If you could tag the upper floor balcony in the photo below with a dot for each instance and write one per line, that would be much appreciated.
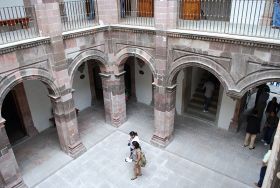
(136, 12)
(254, 18)
(78, 14)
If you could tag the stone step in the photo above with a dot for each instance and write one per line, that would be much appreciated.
(199, 107)
(202, 115)
(201, 93)
(200, 100)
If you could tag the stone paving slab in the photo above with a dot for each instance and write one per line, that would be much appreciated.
(103, 166)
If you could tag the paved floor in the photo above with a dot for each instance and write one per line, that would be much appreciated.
(199, 156)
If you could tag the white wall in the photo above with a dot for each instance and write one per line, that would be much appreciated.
(226, 111)
(82, 94)
(247, 11)
(179, 92)
(9, 3)
(143, 84)
(39, 103)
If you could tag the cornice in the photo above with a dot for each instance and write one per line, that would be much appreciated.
(133, 29)
(250, 43)
(85, 32)
(23, 45)
(29, 43)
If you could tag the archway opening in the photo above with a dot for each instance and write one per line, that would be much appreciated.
(12, 113)
(89, 102)
(31, 131)
(138, 83)
(199, 94)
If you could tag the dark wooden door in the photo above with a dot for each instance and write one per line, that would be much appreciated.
(145, 8)
(191, 9)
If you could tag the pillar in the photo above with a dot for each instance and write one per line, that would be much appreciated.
(114, 98)
(270, 180)
(9, 170)
(67, 126)
(234, 124)
(21, 100)
(164, 110)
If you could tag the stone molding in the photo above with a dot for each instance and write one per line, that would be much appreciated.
(81, 33)
(255, 44)
(120, 74)
(103, 75)
(67, 35)
(23, 45)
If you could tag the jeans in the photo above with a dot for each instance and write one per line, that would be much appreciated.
(206, 103)
(268, 132)
(262, 174)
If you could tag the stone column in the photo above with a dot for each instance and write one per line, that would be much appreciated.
(164, 109)
(234, 124)
(67, 126)
(23, 106)
(9, 170)
(274, 160)
(114, 98)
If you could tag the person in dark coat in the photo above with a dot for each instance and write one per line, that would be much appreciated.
(272, 106)
(253, 128)
(270, 127)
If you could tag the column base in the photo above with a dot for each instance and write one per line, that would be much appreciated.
(77, 150)
(19, 183)
(115, 121)
(32, 131)
(161, 142)
(233, 127)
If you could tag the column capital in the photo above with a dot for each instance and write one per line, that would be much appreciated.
(104, 75)
(120, 74)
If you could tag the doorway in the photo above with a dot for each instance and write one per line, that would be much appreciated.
(14, 124)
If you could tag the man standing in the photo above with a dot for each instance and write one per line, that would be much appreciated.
(208, 87)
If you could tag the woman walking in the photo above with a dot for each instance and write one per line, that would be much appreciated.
(136, 157)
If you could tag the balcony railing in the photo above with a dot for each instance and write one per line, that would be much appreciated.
(136, 12)
(255, 18)
(78, 14)
(17, 23)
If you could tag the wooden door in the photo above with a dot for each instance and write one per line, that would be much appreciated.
(191, 9)
(145, 8)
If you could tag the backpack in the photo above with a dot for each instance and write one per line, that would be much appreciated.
(143, 160)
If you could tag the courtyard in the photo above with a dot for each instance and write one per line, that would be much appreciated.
(199, 155)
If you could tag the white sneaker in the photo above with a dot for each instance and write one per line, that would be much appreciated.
(265, 144)
(262, 140)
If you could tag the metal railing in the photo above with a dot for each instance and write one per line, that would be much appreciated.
(17, 23)
(78, 14)
(136, 12)
(254, 18)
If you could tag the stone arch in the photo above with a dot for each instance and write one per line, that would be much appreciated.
(205, 63)
(122, 55)
(256, 79)
(83, 57)
(12, 79)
